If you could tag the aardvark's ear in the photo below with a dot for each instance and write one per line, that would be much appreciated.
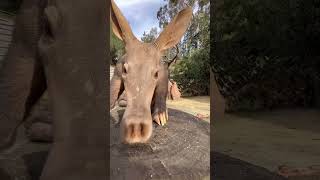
(175, 30)
(120, 25)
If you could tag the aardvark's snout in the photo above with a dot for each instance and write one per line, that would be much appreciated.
(135, 129)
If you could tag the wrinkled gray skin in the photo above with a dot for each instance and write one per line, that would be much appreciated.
(143, 76)
(58, 47)
(21, 76)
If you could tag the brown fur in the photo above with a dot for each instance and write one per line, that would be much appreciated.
(143, 76)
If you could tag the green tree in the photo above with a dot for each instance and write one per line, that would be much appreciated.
(150, 36)
(265, 52)
(197, 35)
(192, 72)
(116, 48)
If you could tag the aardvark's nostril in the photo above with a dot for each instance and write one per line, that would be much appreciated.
(131, 130)
(137, 132)
(142, 129)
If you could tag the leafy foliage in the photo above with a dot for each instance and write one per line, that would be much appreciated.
(117, 48)
(192, 72)
(150, 36)
(266, 53)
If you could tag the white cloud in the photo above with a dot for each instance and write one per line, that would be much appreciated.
(141, 14)
(123, 3)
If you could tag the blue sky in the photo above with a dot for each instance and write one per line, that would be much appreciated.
(141, 14)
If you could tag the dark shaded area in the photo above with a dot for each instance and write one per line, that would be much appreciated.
(35, 163)
(224, 167)
(4, 175)
(10, 5)
(266, 53)
(298, 119)
(61, 25)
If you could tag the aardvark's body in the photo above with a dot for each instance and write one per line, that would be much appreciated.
(144, 77)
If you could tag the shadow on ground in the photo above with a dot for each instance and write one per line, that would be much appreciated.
(4, 175)
(271, 139)
(27, 159)
(298, 119)
(224, 167)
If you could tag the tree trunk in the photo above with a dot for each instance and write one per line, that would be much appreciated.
(217, 102)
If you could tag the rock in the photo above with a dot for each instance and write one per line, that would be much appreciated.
(173, 90)
(179, 150)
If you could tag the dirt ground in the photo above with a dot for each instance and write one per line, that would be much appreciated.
(247, 146)
(270, 139)
(197, 106)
